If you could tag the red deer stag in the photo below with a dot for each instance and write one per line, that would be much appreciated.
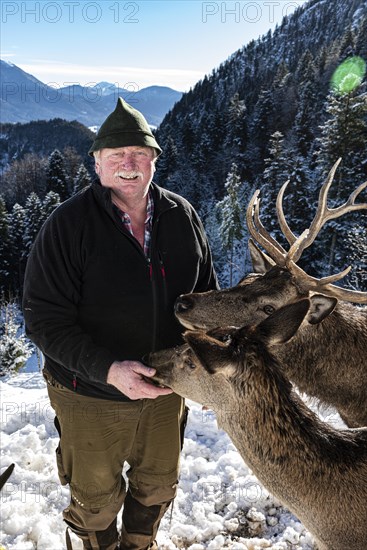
(327, 359)
(318, 472)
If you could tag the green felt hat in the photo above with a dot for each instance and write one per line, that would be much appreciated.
(123, 127)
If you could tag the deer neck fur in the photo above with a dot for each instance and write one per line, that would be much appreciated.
(318, 361)
(292, 452)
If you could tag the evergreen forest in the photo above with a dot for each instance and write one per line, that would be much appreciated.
(271, 113)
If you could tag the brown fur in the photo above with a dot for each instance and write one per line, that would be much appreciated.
(318, 472)
(327, 357)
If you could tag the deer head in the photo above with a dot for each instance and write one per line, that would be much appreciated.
(201, 369)
(278, 279)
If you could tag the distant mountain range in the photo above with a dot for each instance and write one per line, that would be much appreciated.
(24, 98)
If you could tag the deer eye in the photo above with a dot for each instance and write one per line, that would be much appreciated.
(269, 309)
(191, 365)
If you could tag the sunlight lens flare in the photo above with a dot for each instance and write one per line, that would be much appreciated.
(349, 75)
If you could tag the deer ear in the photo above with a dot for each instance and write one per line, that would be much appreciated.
(261, 263)
(321, 307)
(283, 324)
(214, 355)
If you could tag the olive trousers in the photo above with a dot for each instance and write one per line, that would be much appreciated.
(97, 438)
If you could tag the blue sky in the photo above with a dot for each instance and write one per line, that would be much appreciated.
(132, 43)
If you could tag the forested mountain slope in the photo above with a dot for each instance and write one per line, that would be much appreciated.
(270, 113)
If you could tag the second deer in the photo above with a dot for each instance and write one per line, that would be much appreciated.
(318, 472)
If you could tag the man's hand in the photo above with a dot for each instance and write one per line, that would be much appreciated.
(127, 376)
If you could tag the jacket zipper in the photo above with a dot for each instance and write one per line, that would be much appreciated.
(163, 273)
(151, 277)
(154, 289)
(154, 285)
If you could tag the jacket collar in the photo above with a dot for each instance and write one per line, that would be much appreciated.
(162, 200)
(161, 197)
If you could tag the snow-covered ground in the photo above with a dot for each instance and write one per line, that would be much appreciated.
(220, 504)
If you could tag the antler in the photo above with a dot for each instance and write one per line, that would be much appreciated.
(298, 244)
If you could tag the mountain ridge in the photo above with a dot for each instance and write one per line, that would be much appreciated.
(24, 98)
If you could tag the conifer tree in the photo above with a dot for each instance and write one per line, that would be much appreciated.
(56, 176)
(236, 129)
(276, 173)
(356, 257)
(14, 347)
(304, 127)
(343, 136)
(167, 163)
(261, 128)
(4, 246)
(71, 161)
(299, 189)
(211, 216)
(231, 228)
(347, 44)
(50, 202)
(82, 179)
(284, 99)
(361, 39)
(16, 232)
(33, 220)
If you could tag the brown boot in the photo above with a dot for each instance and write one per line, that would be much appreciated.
(136, 541)
(152, 546)
(96, 540)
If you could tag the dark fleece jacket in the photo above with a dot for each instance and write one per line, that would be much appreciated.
(92, 297)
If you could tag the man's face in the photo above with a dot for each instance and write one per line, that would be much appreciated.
(127, 171)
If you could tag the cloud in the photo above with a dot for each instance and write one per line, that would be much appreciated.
(6, 55)
(62, 74)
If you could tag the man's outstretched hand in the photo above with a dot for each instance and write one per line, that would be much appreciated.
(127, 377)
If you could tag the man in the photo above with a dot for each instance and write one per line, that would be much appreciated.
(100, 286)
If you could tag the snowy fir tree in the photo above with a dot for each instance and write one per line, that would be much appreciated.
(261, 128)
(49, 203)
(71, 164)
(82, 179)
(168, 161)
(284, 99)
(297, 195)
(33, 220)
(211, 216)
(231, 228)
(5, 250)
(276, 173)
(57, 180)
(16, 232)
(14, 347)
(361, 39)
(357, 257)
(304, 127)
(343, 135)
(236, 129)
(35, 214)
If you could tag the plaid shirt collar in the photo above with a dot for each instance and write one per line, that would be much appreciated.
(148, 224)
